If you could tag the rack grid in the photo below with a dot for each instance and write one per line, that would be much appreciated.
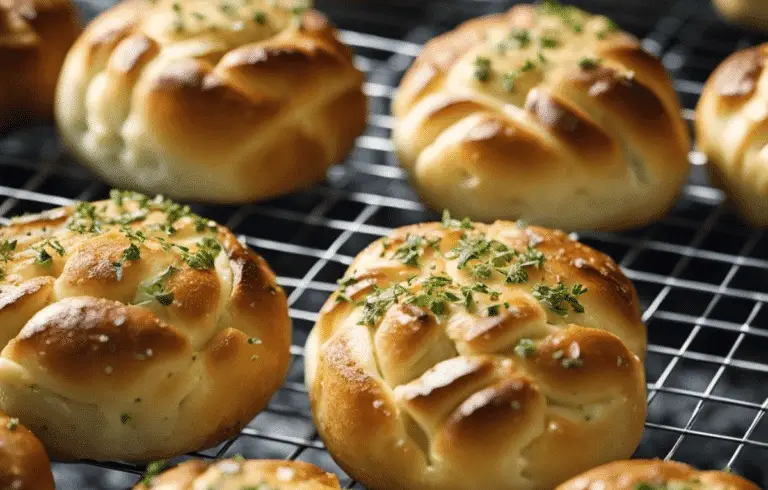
(702, 275)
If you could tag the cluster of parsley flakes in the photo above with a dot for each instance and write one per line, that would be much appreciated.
(519, 38)
(87, 218)
(230, 9)
(481, 258)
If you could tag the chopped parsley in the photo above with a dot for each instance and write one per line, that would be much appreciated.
(205, 255)
(125, 418)
(448, 222)
(260, 17)
(157, 290)
(84, 219)
(494, 310)
(378, 302)
(13, 424)
(588, 63)
(413, 248)
(570, 363)
(482, 68)
(525, 348)
(6, 250)
(610, 26)
(434, 295)
(560, 297)
(509, 81)
(490, 254)
(548, 42)
(343, 285)
(522, 36)
(153, 469)
(43, 258)
(528, 65)
(516, 273)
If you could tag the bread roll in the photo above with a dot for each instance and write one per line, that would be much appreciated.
(34, 38)
(732, 130)
(24, 465)
(135, 330)
(752, 13)
(493, 357)
(543, 113)
(655, 474)
(239, 474)
(225, 101)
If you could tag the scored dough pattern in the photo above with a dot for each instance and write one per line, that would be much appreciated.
(477, 399)
(508, 107)
(199, 99)
(141, 319)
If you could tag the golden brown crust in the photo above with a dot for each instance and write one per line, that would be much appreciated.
(24, 465)
(237, 474)
(626, 475)
(751, 13)
(732, 131)
(210, 101)
(34, 38)
(141, 317)
(411, 394)
(507, 105)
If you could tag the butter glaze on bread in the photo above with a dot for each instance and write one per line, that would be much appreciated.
(518, 115)
(24, 465)
(239, 474)
(34, 38)
(197, 101)
(119, 344)
(655, 474)
(731, 130)
(437, 392)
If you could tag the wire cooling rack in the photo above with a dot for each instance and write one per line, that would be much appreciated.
(702, 274)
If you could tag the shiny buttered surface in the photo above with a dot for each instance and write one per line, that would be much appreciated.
(34, 38)
(134, 329)
(459, 356)
(752, 13)
(24, 465)
(208, 100)
(731, 130)
(241, 474)
(544, 113)
(655, 475)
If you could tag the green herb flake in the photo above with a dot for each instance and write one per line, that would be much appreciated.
(376, 304)
(522, 36)
(482, 68)
(525, 348)
(560, 297)
(153, 469)
(157, 291)
(548, 42)
(13, 424)
(448, 222)
(570, 363)
(205, 255)
(494, 310)
(413, 248)
(508, 80)
(588, 63)
(528, 65)
(6, 251)
(125, 418)
(260, 17)
(254, 340)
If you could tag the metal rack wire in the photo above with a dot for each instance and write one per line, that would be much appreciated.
(702, 275)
